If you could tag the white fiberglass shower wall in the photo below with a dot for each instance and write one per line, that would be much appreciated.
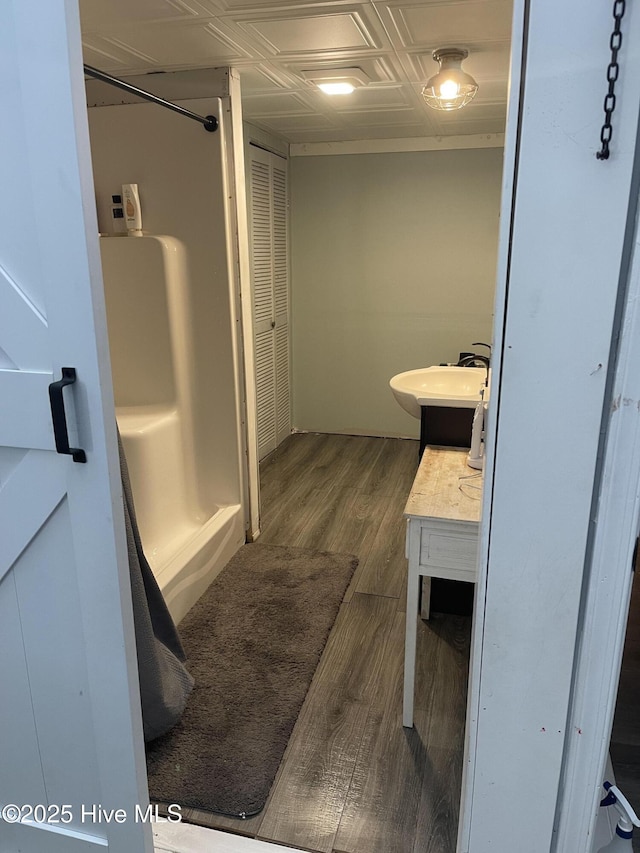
(173, 339)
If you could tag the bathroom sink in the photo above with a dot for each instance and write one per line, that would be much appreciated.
(454, 387)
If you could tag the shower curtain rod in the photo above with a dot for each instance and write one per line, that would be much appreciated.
(210, 122)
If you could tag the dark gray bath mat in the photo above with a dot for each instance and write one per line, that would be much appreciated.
(253, 643)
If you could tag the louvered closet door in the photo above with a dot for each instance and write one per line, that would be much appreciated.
(269, 254)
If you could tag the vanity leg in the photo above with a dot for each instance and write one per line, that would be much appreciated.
(425, 597)
(411, 633)
(411, 636)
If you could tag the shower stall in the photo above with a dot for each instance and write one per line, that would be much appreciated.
(174, 337)
(188, 532)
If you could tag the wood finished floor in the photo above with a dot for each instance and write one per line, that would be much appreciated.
(353, 780)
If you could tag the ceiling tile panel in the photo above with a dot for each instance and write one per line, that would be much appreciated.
(275, 6)
(281, 104)
(377, 68)
(172, 47)
(368, 98)
(95, 15)
(132, 57)
(272, 42)
(101, 55)
(440, 24)
(312, 33)
(385, 118)
(492, 92)
(260, 78)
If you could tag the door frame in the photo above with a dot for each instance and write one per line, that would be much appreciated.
(609, 569)
(563, 268)
(246, 347)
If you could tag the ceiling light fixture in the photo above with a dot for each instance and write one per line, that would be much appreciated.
(336, 81)
(336, 88)
(451, 88)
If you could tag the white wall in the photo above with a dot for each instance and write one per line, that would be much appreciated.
(393, 268)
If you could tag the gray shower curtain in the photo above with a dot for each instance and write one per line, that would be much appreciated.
(165, 684)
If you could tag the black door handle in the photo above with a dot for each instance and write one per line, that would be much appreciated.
(59, 417)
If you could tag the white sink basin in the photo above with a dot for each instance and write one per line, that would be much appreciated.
(454, 387)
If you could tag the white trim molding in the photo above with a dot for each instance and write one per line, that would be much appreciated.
(390, 146)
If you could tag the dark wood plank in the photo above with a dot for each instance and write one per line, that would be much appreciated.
(441, 676)
(356, 529)
(355, 652)
(284, 522)
(437, 824)
(405, 790)
(356, 524)
(352, 778)
(357, 455)
(380, 813)
(384, 569)
(308, 795)
(280, 471)
(316, 772)
(394, 469)
(441, 699)
(342, 460)
(316, 517)
(337, 519)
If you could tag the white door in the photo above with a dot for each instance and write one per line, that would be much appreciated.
(270, 277)
(71, 749)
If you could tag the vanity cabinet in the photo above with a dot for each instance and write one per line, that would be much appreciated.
(445, 426)
(443, 518)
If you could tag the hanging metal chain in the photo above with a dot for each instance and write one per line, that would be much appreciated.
(613, 70)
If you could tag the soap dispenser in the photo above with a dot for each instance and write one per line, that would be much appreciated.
(622, 840)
